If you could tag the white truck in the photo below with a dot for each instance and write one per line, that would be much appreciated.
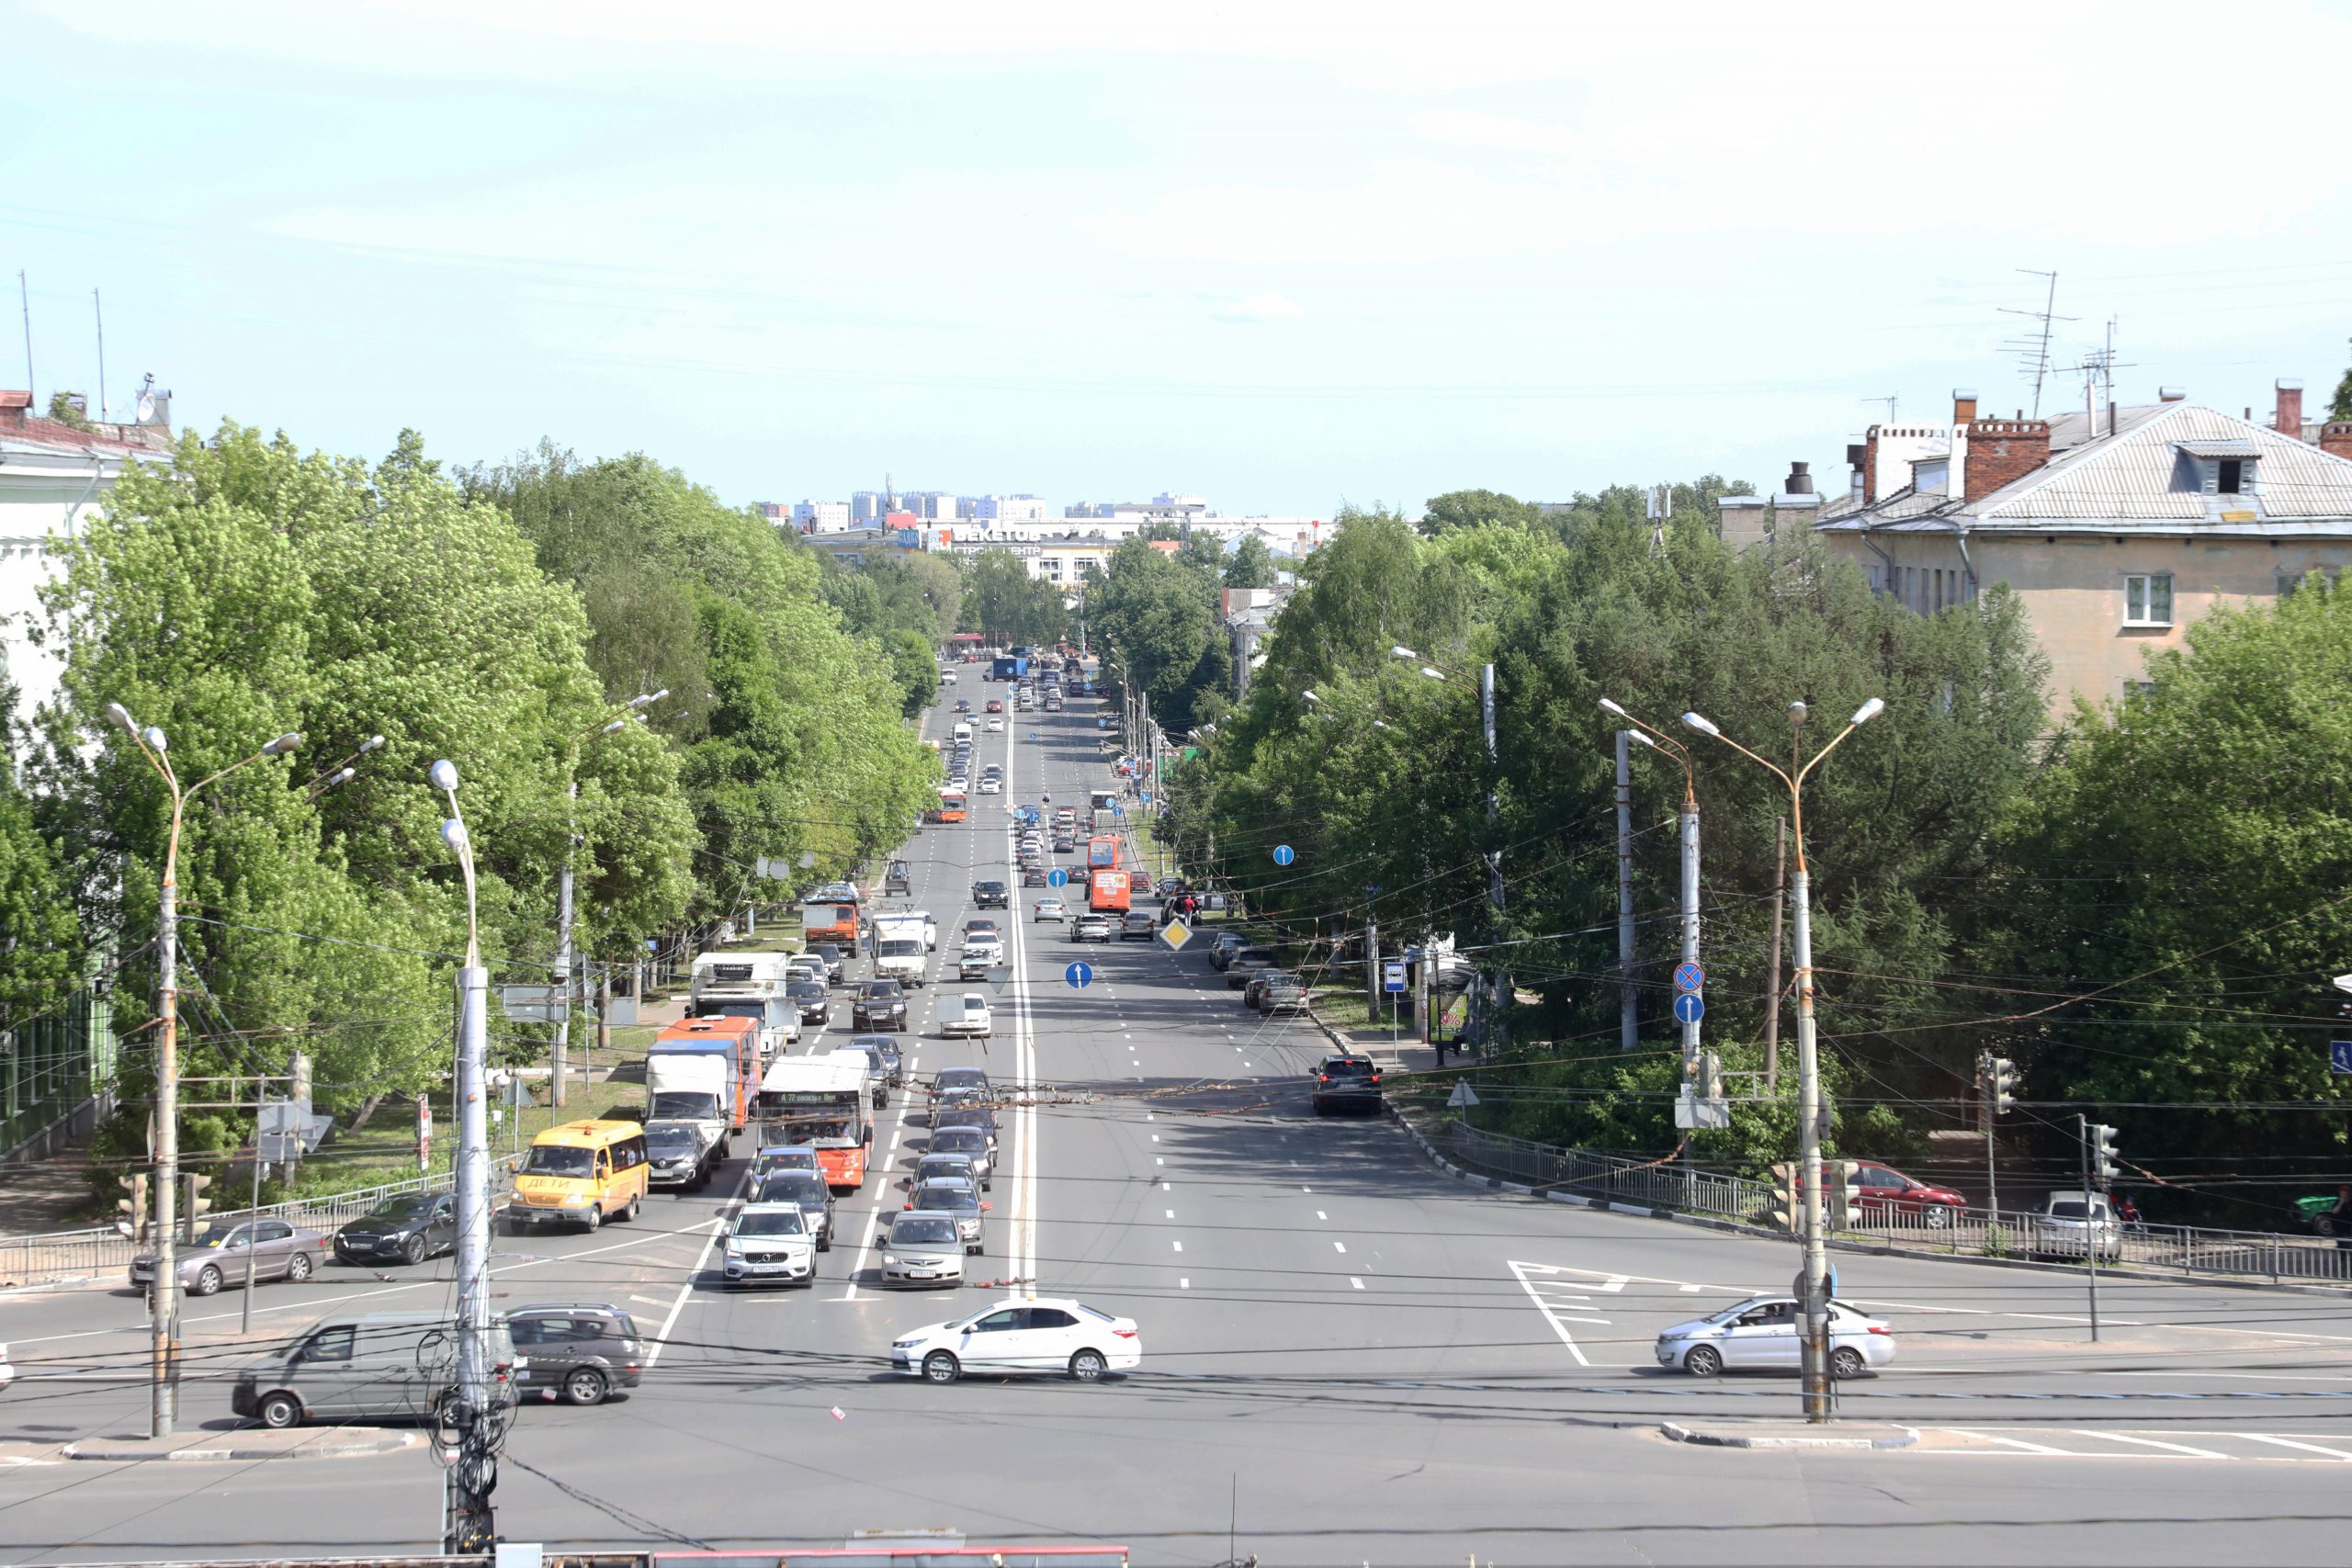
(682, 1086)
(747, 985)
(900, 949)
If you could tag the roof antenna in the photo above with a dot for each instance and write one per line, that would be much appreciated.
(24, 298)
(1889, 401)
(2033, 349)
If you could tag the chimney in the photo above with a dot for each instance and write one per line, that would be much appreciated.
(1870, 465)
(2170, 394)
(2335, 437)
(1800, 480)
(1963, 405)
(1857, 454)
(2003, 451)
(14, 408)
(2288, 420)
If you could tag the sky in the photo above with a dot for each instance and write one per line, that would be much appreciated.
(1287, 257)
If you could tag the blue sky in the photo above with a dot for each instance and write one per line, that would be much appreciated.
(1283, 255)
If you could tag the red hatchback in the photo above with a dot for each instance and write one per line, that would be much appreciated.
(996, 705)
(1886, 1190)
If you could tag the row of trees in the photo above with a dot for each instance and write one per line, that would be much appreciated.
(499, 618)
(2180, 869)
(1156, 611)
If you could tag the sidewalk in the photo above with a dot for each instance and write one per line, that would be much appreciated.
(1734, 1434)
(1403, 1053)
(244, 1444)
(44, 1195)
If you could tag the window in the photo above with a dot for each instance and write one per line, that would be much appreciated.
(329, 1345)
(2230, 472)
(2147, 599)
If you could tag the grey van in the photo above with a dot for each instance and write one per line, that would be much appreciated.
(366, 1367)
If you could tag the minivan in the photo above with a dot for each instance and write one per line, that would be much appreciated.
(581, 1173)
(362, 1367)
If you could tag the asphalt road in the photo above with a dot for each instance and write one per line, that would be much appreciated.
(1349, 1356)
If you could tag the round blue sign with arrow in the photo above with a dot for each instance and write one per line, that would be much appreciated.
(1688, 976)
(1688, 1008)
(1080, 974)
(1057, 877)
(1033, 735)
(1284, 854)
(1143, 796)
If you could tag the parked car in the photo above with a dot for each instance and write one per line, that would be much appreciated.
(1761, 1334)
(879, 1004)
(221, 1252)
(1136, 924)
(1889, 1191)
(1245, 964)
(578, 1352)
(2070, 1223)
(959, 1201)
(1052, 910)
(1254, 990)
(406, 1229)
(923, 1248)
(1347, 1082)
(1037, 1335)
(1091, 928)
(769, 1244)
(1225, 945)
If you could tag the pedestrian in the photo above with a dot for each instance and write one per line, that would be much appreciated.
(2127, 1211)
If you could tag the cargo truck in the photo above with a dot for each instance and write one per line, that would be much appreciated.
(900, 947)
(722, 1093)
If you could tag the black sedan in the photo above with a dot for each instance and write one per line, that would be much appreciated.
(812, 999)
(407, 1229)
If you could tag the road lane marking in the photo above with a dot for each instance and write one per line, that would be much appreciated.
(1356, 1282)
(2149, 1442)
(1523, 1272)
(2017, 1443)
(1321, 1216)
(2294, 1443)
(1340, 1245)
(1179, 1246)
(686, 1286)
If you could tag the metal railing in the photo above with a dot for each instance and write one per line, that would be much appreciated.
(53, 1257)
(2188, 1251)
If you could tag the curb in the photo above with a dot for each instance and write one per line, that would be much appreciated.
(1680, 1434)
(350, 1446)
(1733, 1228)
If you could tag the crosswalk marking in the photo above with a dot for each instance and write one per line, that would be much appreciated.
(2153, 1443)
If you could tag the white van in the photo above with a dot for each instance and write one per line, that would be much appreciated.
(963, 734)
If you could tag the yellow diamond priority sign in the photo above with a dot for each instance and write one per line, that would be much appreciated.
(1174, 935)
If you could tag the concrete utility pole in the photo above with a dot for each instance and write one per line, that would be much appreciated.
(1772, 994)
(473, 1474)
(1814, 1344)
(162, 1295)
(1656, 739)
(560, 1055)
(1628, 1016)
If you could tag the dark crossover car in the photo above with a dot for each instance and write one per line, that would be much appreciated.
(1347, 1083)
(992, 895)
(406, 1229)
(881, 1004)
(578, 1352)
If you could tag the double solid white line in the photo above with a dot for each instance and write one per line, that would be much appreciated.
(1023, 1245)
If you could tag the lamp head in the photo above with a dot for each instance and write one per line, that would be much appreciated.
(1869, 711)
(373, 743)
(154, 739)
(120, 717)
(1399, 651)
(453, 834)
(284, 745)
(1700, 723)
(1609, 707)
(1432, 673)
(617, 723)
(1797, 711)
(1638, 738)
(444, 774)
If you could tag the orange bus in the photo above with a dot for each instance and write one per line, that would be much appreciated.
(951, 806)
(1106, 892)
(1101, 853)
(820, 1100)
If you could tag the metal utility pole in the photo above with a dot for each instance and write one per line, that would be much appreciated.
(1689, 928)
(1814, 1343)
(559, 1058)
(163, 1296)
(1772, 997)
(2090, 1220)
(473, 1475)
(1628, 1023)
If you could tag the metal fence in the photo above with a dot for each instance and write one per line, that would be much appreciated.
(2184, 1250)
(63, 1256)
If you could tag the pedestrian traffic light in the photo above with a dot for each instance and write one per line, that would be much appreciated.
(194, 1204)
(2001, 1078)
(1843, 1178)
(1784, 1197)
(133, 1209)
(2103, 1159)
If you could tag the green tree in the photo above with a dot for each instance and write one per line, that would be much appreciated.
(1460, 509)
(2340, 405)
(1252, 566)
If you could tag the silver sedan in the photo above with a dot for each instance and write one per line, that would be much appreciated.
(1761, 1334)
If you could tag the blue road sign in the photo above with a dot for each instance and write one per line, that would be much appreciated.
(1033, 735)
(1143, 796)
(1080, 974)
(1057, 877)
(1688, 1008)
(1284, 854)
(2339, 1055)
(1688, 976)
(1391, 975)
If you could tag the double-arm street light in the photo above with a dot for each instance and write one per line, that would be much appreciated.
(1816, 1304)
(162, 1294)
(1493, 854)
(559, 1057)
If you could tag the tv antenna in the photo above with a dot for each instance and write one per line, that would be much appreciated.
(1890, 401)
(2032, 349)
(2098, 368)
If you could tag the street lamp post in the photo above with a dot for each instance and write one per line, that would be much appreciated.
(1815, 1305)
(1493, 854)
(164, 1293)
(469, 1524)
(559, 1057)
(1656, 740)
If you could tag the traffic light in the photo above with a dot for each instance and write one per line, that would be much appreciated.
(194, 1204)
(2103, 1158)
(2001, 1078)
(1843, 1179)
(1784, 1197)
(1711, 1075)
(133, 1209)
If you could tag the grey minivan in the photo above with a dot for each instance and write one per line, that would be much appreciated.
(365, 1367)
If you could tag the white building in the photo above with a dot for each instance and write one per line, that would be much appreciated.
(52, 476)
(821, 516)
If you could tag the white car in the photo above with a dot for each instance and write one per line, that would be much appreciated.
(967, 1014)
(1043, 1335)
(990, 786)
(922, 1250)
(1052, 910)
(1761, 1334)
(770, 1244)
(948, 679)
(996, 726)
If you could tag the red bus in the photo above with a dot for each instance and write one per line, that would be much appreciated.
(951, 806)
(1106, 892)
(1102, 853)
